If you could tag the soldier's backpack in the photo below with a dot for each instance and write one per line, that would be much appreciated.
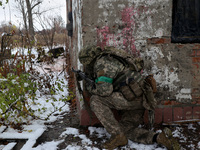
(136, 64)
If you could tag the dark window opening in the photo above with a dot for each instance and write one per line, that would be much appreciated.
(70, 24)
(186, 21)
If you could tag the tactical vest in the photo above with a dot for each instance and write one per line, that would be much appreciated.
(130, 82)
(132, 85)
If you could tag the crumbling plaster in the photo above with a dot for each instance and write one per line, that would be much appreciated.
(148, 18)
(128, 24)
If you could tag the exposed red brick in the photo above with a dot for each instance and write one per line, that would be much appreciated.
(196, 96)
(195, 66)
(193, 102)
(197, 53)
(170, 102)
(196, 112)
(196, 47)
(159, 40)
(196, 81)
(167, 114)
(178, 113)
(162, 41)
(195, 72)
(167, 102)
(176, 103)
(195, 90)
(187, 113)
(180, 46)
(86, 119)
(196, 59)
(158, 115)
(193, 53)
(86, 95)
(149, 41)
(198, 102)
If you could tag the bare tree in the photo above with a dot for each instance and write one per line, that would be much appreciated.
(30, 6)
(21, 6)
(50, 25)
(27, 10)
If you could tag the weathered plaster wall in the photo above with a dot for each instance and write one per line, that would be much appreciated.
(142, 28)
(120, 18)
(128, 24)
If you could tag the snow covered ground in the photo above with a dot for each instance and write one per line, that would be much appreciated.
(35, 128)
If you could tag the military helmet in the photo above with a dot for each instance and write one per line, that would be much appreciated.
(88, 54)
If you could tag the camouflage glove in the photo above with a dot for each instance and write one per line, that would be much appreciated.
(89, 87)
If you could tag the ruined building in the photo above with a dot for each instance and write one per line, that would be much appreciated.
(165, 33)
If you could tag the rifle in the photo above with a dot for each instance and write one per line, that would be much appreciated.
(91, 82)
(84, 77)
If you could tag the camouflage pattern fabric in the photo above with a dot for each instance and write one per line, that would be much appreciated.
(132, 116)
(109, 67)
(104, 100)
(87, 54)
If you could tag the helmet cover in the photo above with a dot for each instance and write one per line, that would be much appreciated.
(88, 54)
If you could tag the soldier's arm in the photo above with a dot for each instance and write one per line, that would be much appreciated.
(106, 70)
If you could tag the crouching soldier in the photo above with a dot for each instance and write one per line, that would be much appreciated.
(119, 85)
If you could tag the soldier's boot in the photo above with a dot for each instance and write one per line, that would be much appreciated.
(165, 138)
(115, 141)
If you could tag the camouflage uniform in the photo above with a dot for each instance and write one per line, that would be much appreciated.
(104, 99)
(121, 87)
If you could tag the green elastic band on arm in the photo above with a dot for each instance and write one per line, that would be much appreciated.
(104, 79)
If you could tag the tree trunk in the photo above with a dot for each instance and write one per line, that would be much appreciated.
(24, 14)
(30, 19)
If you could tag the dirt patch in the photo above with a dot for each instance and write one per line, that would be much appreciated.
(55, 129)
(187, 134)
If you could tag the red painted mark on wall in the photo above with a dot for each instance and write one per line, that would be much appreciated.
(125, 38)
(127, 32)
(103, 36)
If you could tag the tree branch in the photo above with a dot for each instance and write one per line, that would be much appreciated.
(35, 5)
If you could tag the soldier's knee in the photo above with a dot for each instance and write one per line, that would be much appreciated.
(94, 100)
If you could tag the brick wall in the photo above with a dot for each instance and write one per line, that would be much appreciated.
(170, 110)
(141, 28)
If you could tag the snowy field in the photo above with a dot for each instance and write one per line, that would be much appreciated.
(36, 127)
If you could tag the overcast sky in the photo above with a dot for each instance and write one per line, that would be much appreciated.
(8, 12)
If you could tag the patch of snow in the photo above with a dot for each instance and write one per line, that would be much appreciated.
(10, 146)
(70, 131)
(137, 146)
(48, 145)
(190, 127)
(2, 128)
(100, 132)
(75, 132)
(178, 133)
